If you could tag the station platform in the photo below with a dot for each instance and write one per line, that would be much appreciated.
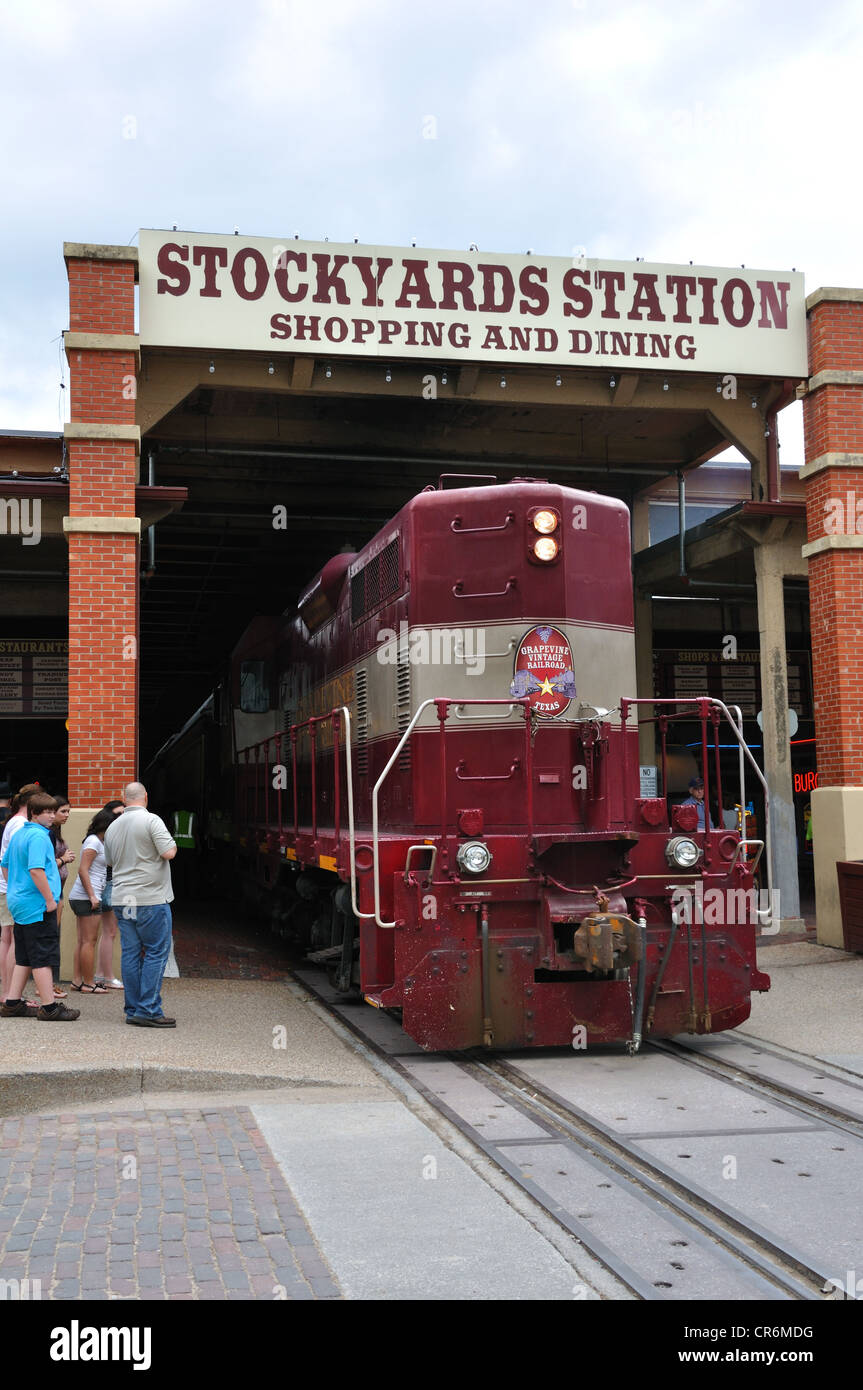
(259, 1152)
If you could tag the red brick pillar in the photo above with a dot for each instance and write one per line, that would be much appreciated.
(833, 421)
(103, 444)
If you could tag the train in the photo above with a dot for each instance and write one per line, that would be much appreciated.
(427, 773)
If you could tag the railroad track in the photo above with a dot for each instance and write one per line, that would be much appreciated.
(647, 1202)
(819, 1090)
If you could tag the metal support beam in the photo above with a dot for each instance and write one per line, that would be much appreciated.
(644, 673)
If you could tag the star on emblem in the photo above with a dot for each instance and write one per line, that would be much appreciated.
(546, 687)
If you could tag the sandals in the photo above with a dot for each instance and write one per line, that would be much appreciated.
(84, 988)
(59, 993)
(110, 984)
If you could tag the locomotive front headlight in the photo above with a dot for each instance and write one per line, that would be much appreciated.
(545, 523)
(474, 857)
(545, 549)
(682, 853)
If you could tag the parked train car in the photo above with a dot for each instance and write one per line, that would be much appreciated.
(436, 783)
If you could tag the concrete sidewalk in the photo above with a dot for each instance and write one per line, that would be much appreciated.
(814, 1005)
(229, 1035)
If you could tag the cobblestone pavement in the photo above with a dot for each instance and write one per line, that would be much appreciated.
(176, 1204)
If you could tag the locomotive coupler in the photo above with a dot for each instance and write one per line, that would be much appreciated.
(607, 942)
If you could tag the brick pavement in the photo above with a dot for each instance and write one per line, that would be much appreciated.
(165, 1204)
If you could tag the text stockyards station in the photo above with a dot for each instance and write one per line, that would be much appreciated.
(259, 294)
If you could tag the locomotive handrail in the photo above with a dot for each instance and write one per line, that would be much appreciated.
(376, 872)
(429, 849)
(471, 718)
(457, 590)
(471, 530)
(461, 477)
(507, 651)
(443, 704)
(736, 710)
(764, 914)
(458, 649)
(746, 845)
(349, 776)
(487, 777)
(313, 720)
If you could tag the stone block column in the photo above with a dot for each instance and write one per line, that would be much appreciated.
(103, 445)
(833, 422)
(770, 569)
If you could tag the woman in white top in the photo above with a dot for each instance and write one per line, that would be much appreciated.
(105, 954)
(86, 901)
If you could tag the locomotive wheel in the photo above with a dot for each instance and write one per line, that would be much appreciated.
(334, 972)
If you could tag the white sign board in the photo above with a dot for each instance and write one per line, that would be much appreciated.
(259, 294)
(647, 776)
(34, 677)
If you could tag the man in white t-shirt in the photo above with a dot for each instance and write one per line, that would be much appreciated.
(16, 822)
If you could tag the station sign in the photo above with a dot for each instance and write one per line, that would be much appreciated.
(686, 673)
(328, 300)
(34, 677)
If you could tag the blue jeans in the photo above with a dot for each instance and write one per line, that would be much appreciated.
(146, 929)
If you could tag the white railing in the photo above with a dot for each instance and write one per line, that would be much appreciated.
(375, 836)
(349, 773)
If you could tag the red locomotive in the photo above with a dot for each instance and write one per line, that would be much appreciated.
(437, 782)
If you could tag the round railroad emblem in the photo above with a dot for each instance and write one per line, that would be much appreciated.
(544, 671)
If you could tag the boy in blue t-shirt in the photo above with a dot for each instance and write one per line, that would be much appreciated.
(33, 886)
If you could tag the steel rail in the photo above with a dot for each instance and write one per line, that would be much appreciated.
(768, 1088)
(667, 1186)
(790, 1255)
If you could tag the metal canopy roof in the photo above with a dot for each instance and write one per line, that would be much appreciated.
(341, 453)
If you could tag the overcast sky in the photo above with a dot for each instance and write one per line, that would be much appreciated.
(716, 131)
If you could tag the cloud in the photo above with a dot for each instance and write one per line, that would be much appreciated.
(702, 130)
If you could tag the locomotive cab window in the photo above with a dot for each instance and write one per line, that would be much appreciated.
(254, 687)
